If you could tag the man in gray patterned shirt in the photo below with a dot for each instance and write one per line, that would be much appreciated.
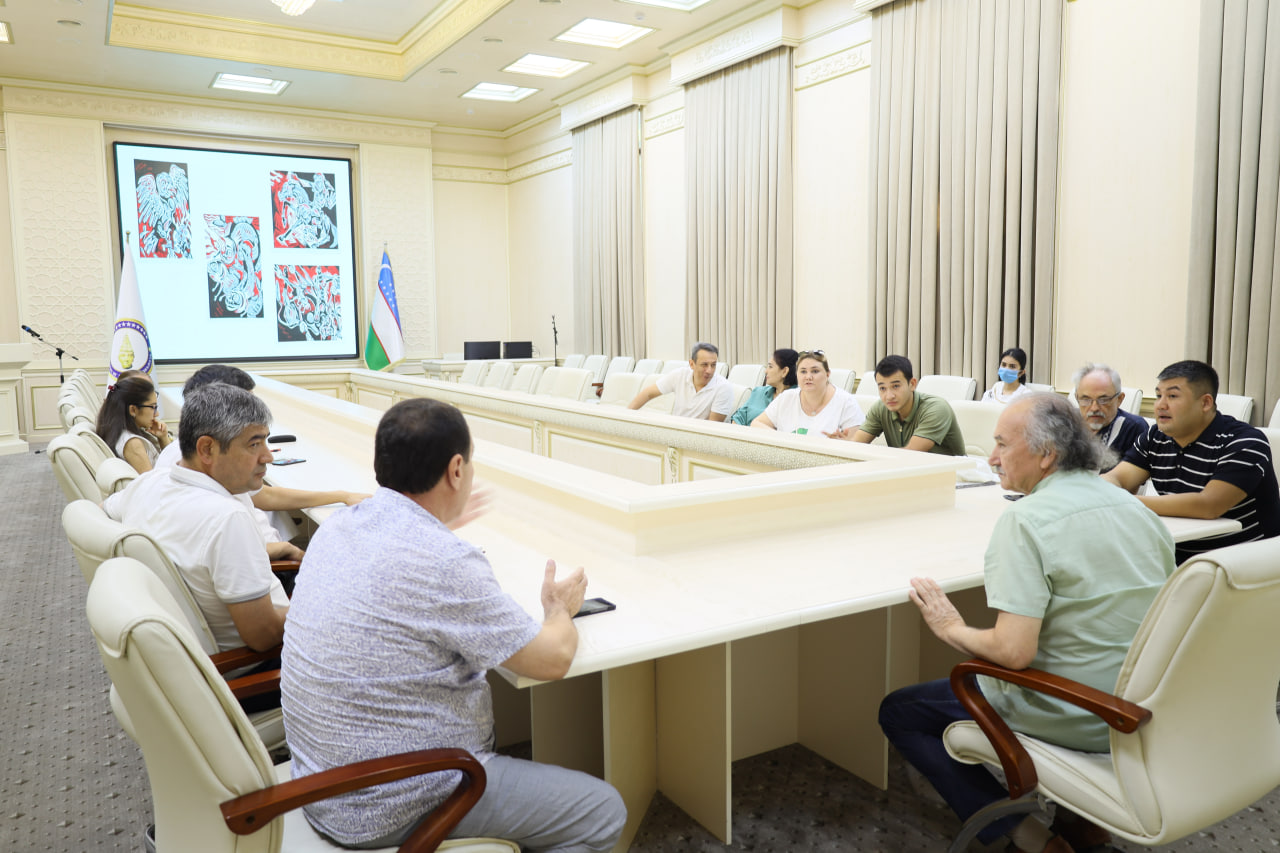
(393, 625)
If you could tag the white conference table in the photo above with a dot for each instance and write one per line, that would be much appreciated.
(714, 653)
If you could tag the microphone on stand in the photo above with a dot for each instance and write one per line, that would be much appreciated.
(555, 339)
(30, 331)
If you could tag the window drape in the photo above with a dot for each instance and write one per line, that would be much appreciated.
(964, 159)
(608, 222)
(739, 189)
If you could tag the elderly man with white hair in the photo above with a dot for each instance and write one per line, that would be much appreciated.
(1099, 395)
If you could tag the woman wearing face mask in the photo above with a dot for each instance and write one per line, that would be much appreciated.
(1013, 377)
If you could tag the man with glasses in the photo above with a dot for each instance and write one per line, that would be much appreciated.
(1099, 395)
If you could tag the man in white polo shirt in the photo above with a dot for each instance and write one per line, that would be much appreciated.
(700, 393)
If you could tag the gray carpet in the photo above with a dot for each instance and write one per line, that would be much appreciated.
(72, 781)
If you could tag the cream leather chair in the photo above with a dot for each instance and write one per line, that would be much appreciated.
(1274, 423)
(1042, 387)
(722, 368)
(843, 378)
(620, 389)
(548, 380)
(499, 376)
(977, 422)
(73, 466)
(663, 403)
(1132, 399)
(574, 384)
(473, 372)
(113, 475)
(948, 387)
(749, 375)
(92, 439)
(645, 366)
(618, 364)
(867, 385)
(526, 378)
(73, 415)
(673, 364)
(740, 395)
(1238, 406)
(573, 360)
(212, 782)
(597, 364)
(1194, 734)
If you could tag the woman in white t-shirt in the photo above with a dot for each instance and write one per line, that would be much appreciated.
(1013, 377)
(128, 424)
(815, 407)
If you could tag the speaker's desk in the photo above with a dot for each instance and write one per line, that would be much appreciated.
(753, 612)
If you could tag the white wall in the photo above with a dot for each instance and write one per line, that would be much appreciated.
(472, 294)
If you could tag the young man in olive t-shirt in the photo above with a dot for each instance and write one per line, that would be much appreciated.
(906, 417)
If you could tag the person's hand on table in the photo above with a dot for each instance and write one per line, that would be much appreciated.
(938, 611)
(846, 433)
(565, 594)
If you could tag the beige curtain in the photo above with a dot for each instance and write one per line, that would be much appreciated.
(738, 173)
(1233, 302)
(608, 222)
(964, 152)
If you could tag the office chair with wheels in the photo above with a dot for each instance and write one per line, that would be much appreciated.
(1194, 734)
(212, 782)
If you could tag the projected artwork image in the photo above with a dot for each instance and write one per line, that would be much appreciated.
(164, 209)
(308, 303)
(304, 211)
(233, 254)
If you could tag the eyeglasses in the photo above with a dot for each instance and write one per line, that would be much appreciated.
(1103, 402)
(810, 352)
(155, 406)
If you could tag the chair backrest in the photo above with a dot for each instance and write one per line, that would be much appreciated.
(95, 538)
(1205, 662)
(749, 375)
(1132, 399)
(574, 360)
(92, 440)
(500, 375)
(199, 747)
(473, 372)
(977, 422)
(618, 364)
(722, 368)
(1042, 387)
(113, 475)
(620, 388)
(948, 387)
(740, 395)
(573, 383)
(526, 378)
(661, 403)
(646, 366)
(549, 378)
(842, 377)
(1274, 423)
(1273, 436)
(76, 415)
(673, 364)
(597, 364)
(1238, 406)
(72, 459)
(867, 385)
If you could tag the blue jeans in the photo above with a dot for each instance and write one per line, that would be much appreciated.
(913, 720)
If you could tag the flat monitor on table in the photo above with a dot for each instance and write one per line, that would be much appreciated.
(517, 349)
(481, 349)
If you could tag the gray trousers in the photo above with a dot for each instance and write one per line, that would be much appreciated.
(541, 807)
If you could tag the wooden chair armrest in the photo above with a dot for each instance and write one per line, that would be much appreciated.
(285, 565)
(233, 659)
(1019, 769)
(250, 812)
(255, 684)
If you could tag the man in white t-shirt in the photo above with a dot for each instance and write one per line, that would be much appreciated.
(191, 511)
(700, 393)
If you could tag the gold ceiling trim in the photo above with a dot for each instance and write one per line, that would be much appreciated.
(214, 37)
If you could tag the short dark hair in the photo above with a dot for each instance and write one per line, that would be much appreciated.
(1053, 425)
(786, 357)
(415, 442)
(892, 364)
(1019, 355)
(219, 411)
(224, 373)
(703, 345)
(1199, 375)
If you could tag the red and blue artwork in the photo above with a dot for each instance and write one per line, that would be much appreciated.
(164, 209)
(233, 255)
(304, 211)
(308, 303)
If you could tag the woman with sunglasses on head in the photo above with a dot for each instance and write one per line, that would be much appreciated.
(1012, 383)
(779, 375)
(128, 424)
(816, 407)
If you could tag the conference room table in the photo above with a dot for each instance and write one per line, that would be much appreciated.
(715, 652)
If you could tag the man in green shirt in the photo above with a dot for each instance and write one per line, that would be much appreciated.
(907, 418)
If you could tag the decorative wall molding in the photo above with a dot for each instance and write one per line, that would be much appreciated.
(665, 123)
(190, 115)
(628, 92)
(549, 163)
(2, 141)
(468, 174)
(847, 61)
(779, 27)
(450, 21)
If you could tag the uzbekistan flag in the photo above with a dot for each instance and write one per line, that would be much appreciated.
(385, 346)
(130, 344)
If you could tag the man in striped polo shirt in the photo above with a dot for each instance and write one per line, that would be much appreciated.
(1204, 464)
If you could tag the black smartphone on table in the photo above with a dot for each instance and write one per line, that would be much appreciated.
(595, 605)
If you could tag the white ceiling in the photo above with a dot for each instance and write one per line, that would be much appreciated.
(416, 39)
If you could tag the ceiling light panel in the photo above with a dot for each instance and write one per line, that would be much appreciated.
(598, 33)
(6, 34)
(499, 92)
(245, 83)
(545, 66)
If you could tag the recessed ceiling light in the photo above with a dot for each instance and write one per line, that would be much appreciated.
(598, 33)
(493, 40)
(67, 22)
(545, 66)
(6, 34)
(448, 72)
(245, 83)
(499, 92)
